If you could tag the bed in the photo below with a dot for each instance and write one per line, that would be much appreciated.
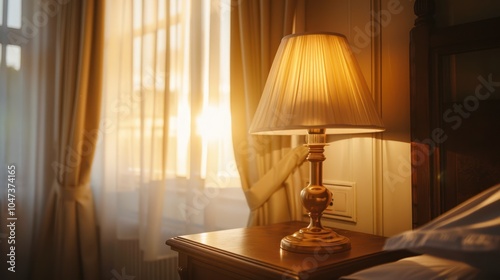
(455, 148)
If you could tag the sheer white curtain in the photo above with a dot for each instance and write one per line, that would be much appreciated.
(26, 126)
(164, 164)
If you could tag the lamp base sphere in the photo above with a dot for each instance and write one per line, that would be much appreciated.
(315, 240)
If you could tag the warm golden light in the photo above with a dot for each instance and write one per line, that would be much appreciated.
(315, 82)
(213, 123)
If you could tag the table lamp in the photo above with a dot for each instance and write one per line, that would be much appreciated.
(315, 87)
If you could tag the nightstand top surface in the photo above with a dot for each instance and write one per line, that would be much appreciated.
(260, 246)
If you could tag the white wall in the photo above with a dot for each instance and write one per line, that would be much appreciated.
(378, 31)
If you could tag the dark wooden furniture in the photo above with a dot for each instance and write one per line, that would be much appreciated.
(455, 111)
(254, 253)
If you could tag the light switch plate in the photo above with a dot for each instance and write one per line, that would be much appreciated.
(343, 206)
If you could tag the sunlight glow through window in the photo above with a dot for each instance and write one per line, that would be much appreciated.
(213, 123)
(10, 54)
(13, 57)
(183, 138)
(199, 140)
(14, 14)
(1, 12)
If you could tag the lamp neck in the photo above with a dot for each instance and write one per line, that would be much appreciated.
(316, 141)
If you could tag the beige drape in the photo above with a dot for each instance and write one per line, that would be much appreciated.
(68, 247)
(268, 165)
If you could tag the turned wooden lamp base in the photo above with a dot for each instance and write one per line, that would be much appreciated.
(325, 241)
(315, 198)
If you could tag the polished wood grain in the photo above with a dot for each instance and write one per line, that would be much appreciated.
(254, 253)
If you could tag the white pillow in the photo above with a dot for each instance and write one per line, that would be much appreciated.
(468, 233)
(421, 267)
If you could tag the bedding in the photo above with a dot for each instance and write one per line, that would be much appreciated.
(470, 233)
(421, 267)
(463, 243)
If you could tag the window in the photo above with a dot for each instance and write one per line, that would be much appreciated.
(165, 157)
(167, 80)
(10, 21)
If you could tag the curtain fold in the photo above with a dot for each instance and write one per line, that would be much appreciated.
(274, 178)
(68, 244)
(268, 165)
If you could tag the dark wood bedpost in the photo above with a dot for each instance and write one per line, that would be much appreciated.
(421, 153)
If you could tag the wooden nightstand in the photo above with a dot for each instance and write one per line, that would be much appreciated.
(254, 253)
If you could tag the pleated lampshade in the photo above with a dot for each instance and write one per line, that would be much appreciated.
(315, 83)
